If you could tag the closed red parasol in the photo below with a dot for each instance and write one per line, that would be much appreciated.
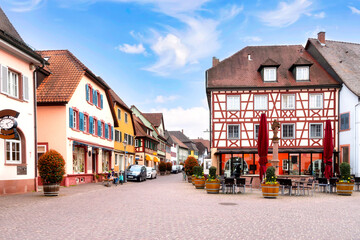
(263, 144)
(328, 149)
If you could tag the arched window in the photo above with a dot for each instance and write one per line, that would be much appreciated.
(16, 149)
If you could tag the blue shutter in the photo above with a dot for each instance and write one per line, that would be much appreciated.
(81, 121)
(71, 117)
(99, 128)
(106, 131)
(94, 96)
(87, 92)
(112, 133)
(91, 125)
(101, 99)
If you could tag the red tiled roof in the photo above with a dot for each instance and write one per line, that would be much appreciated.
(117, 99)
(139, 128)
(66, 72)
(238, 71)
(205, 142)
(154, 118)
(180, 143)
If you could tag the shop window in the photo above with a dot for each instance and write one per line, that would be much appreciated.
(105, 161)
(78, 160)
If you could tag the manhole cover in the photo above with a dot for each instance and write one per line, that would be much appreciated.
(227, 203)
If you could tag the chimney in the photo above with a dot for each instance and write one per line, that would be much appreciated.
(182, 130)
(215, 61)
(321, 37)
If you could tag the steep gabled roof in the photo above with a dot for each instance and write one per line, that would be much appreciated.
(9, 34)
(177, 141)
(344, 59)
(154, 118)
(204, 142)
(238, 71)
(66, 73)
(116, 99)
(184, 139)
(140, 128)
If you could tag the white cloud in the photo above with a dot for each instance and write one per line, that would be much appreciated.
(26, 5)
(286, 14)
(319, 15)
(132, 49)
(250, 39)
(194, 121)
(313, 33)
(164, 99)
(230, 12)
(354, 10)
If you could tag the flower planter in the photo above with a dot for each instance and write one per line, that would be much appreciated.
(213, 187)
(51, 189)
(199, 183)
(270, 190)
(189, 178)
(344, 188)
(162, 173)
(193, 180)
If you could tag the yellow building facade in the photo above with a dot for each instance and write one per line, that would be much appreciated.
(125, 131)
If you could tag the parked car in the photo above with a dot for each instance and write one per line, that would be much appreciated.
(136, 172)
(174, 169)
(151, 172)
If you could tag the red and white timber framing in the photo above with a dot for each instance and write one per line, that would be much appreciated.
(247, 117)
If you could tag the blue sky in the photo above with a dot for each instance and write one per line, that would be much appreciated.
(154, 53)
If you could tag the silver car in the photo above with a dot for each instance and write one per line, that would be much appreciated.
(151, 172)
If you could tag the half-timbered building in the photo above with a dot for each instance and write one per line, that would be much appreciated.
(287, 84)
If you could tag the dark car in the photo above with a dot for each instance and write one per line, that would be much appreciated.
(136, 172)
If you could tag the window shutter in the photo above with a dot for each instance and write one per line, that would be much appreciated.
(101, 99)
(120, 133)
(99, 128)
(91, 125)
(112, 133)
(71, 119)
(4, 79)
(81, 121)
(106, 131)
(87, 92)
(25, 88)
(94, 97)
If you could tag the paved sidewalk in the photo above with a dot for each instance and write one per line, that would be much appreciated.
(169, 208)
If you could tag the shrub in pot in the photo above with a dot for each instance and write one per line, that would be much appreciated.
(212, 182)
(270, 189)
(51, 169)
(189, 164)
(162, 167)
(199, 178)
(345, 185)
(168, 167)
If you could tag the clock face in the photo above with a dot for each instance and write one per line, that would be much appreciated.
(7, 123)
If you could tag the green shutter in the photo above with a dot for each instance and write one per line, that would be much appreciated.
(101, 103)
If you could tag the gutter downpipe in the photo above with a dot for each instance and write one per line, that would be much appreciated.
(356, 132)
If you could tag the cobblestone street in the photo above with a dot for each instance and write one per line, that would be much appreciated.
(169, 208)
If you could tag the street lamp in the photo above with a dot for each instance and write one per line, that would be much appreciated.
(125, 144)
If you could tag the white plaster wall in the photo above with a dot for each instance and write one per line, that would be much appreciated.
(78, 100)
(348, 102)
(25, 119)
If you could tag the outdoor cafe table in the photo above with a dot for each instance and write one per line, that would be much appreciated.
(298, 183)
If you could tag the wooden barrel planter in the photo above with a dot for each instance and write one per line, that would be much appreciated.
(213, 187)
(51, 189)
(344, 188)
(189, 178)
(270, 190)
(199, 183)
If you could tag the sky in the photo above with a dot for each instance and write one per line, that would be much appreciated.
(154, 53)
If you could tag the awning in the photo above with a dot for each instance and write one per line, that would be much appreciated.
(156, 159)
(148, 158)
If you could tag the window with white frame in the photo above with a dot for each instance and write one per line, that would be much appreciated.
(85, 123)
(41, 149)
(288, 130)
(117, 136)
(260, 102)
(75, 117)
(119, 114)
(302, 73)
(233, 102)
(233, 131)
(126, 118)
(13, 84)
(316, 100)
(270, 74)
(288, 101)
(316, 130)
(256, 131)
(13, 151)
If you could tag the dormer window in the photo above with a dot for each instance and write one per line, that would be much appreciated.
(302, 73)
(269, 74)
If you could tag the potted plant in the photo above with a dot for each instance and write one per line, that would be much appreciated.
(168, 167)
(213, 182)
(51, 169)
(189, 164)
(162, 168)
(345, 185)
(199, 178)
(270, 187)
